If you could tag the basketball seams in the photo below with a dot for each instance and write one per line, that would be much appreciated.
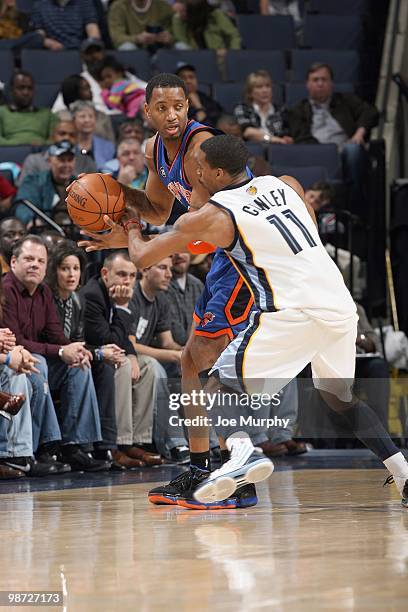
(97, 214)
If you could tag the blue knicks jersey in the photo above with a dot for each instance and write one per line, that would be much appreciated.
(173, 175)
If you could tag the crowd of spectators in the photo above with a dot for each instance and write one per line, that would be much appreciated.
(112, 333)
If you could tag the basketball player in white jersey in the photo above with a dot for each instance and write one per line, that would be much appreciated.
(305, 312)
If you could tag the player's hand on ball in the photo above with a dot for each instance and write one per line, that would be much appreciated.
(116, 238)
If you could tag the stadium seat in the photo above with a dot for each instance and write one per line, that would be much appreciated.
(16, 154)
(50, 66)
(240, 63)
(6, 65)
(267, 32)
(45, 94)
(204, 61)
(345, 64)
(295, 92)
(230, 94)
(334, 7)
(302, 155)
(306, 175)
(333, 32)
(256, 148)
(137, 62)
(25, 6)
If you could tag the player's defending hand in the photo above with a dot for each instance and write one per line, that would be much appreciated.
(115, 238)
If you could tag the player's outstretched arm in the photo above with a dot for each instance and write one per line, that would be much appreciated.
(210, 224)
(154, 204)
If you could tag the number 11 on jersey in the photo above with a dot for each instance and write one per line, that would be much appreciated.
(287, 235)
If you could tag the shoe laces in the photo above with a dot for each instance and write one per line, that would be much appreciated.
(185, 478)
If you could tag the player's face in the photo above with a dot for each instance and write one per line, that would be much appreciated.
(160, 275)
(262, 91)
(167, 112)
(207, 176)
(30, 266)
(320, 85)
(62, 167)
(69, 274)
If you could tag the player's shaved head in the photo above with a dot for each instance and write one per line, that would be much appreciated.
(226, 152)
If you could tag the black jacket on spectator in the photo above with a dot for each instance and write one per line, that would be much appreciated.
(350, 111)
(212, 109)
(103, 322)
(102, 372)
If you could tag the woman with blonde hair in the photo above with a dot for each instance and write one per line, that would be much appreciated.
(260, 119)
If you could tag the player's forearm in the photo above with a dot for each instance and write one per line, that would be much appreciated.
(136, 200)
(147, 253)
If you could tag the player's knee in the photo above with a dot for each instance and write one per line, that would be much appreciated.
(205, 351)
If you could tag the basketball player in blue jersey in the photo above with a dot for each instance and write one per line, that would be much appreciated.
(173, 187)
(304, 312)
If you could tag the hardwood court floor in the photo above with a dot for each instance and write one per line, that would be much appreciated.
(318, 540)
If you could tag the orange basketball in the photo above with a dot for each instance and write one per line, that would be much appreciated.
(91, 197)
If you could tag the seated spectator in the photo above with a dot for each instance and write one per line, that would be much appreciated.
(99, 149)
(47, 189)
(201, 107)
(129, 167)
(259, 118)
(183, 293)
(256, 163)
(35, 421)
(151, 336)
(140, 24)
(14, 29)
(229, 125)
(278, 441)
(282, 7)
(200, 265)
(92, 54)
(20, 121)
(203, 26)
(76, 87)
(65, 271)
(62, 365)
(340, 118)
(372, 373)
(11, 230)
(39, 162)
(131, 128)
(7, 192)
(108, 320)
(119, 92)
(320, 197)
(65, 23)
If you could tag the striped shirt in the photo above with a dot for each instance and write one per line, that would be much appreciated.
(64, 23)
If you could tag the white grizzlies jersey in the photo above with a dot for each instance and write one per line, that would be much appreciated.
(278, 251)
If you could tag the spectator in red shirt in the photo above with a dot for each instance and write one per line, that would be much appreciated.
(30, 312)
(7, 192)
